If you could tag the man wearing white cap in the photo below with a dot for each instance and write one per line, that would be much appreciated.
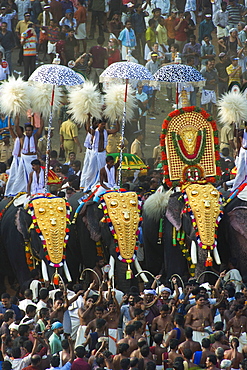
(55, 340)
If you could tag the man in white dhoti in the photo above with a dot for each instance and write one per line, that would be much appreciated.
(98, 155)
(15, 161)
(199, 318)
(108, 177)
(28, 143)
(36, 182)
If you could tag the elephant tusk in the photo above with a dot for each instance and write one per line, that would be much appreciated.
(111, 272)
(216, 256)
(66, 271)
(139, 269)
(44, 271)
(193, 252)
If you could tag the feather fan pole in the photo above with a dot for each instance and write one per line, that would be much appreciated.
(14, 97)
(114, 101)
(83, 101)
(40, 97)
(232, 107)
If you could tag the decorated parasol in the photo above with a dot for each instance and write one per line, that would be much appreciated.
(55, 75)
(179, 73)
(125, 72)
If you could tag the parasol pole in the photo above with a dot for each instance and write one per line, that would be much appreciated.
(48, 146)
(122, 133)
(177, 94)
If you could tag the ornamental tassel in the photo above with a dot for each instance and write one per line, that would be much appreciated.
(129, 273)
(56, 278)
(160, 231)
(174, 237)
(209, 260)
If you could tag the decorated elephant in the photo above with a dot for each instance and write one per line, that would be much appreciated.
(180, 226)
(34, 234)
(107, 229)
(179, 230)
(232, 232)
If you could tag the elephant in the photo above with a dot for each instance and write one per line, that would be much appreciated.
(88, 229)
(167, 254)
(232, 233)
(16, 232)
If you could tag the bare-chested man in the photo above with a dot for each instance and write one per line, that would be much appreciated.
(112, 320)
(199, 318)
(129, 339)
(188, 354)
(157, 351)
(220, 341)
(137, 352)
(123, 349)
(162, 323)
(189, 343)
(238, 324)
(200, 357)
(178, 331)
(87, 313)
(233, 354)
(173, 353)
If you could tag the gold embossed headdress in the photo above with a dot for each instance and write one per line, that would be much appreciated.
(50, 216)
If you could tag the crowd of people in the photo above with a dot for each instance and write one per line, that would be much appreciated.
(100, 327)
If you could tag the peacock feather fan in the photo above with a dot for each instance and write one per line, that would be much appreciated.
(40, 97)
(83, 101)
(14, 97)
(232, 107)
(114, 101)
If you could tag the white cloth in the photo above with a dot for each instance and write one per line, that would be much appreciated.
(10, 190)
(113, 338)
(24, 303)
(19, 363)
(96, 137)
(29, 145)
(235, 278)
(96, 162)
(22, 174)
(111, 176)
(38, 186)
(51, 48)
(17, 146)
(35, 286)
(199, 335)
(44, 18)
(208, 96)
(81, 33)
(84, 175)
(241, 165)
(124, 52)
(80, 339)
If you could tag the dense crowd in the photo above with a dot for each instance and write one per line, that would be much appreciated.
(164, 326)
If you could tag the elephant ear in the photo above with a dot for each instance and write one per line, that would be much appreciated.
(174, 210)
(91, 216)
(238, 218)
(22, 223)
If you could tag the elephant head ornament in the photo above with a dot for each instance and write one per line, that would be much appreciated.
(50, 218)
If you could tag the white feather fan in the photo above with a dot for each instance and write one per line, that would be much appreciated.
(83, 101)
(232, 107)
(114, 101)
(40, 97)
(155, 206)
(14, 97)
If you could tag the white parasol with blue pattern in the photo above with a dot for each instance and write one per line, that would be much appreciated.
(55, 75)
(122, 71)
(176, 73)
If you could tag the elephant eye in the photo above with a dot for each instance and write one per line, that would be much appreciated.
(114, 203)
(41, 210)
(215, 193)
(133, 202)
(60, 209)
(194, 192)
